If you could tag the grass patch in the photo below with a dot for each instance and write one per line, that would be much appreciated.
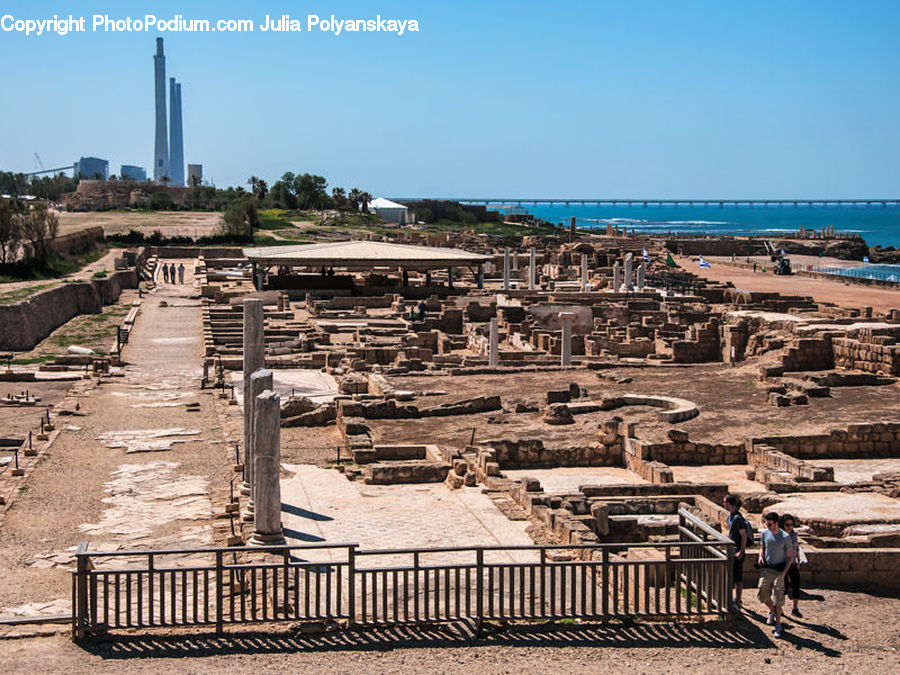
(492, 228)
(10, 297)
(43, 358)
(99, 275)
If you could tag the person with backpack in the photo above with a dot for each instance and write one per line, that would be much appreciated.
(740, 532)
(776, 555)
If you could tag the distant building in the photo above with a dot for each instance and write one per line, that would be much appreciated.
(388, 211)
(91, 168)
(195, 175)
(130, 172)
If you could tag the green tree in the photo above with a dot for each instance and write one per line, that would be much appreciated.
(339, 197)
(10, 231)
(39, 227)
(161, 201)
(240, 218)
(258, 187)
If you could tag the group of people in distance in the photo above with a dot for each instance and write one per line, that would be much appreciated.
(779, 560)
(170, 272)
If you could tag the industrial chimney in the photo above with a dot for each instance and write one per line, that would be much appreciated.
(161, 152)
(176, 140)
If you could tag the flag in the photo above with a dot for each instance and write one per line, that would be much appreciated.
(670, 261)
(865, 258)
(646, 255)
(703, 263)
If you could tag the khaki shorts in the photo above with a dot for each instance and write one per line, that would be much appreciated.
(771, 582)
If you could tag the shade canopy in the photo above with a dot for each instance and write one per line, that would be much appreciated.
(363, 255)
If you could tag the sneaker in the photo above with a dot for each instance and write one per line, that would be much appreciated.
(796, 612)
(771, 620)
(779, 631)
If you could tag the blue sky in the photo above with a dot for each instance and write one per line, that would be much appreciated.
(585, 98)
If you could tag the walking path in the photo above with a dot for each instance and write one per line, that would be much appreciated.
(136, 468)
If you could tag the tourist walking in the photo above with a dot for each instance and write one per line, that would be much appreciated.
(172, 272)
(776, 553)
(165, 273)
(738, 531)
(792, 579)
(423, 309)
(181, 273)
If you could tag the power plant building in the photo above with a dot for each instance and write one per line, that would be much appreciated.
(195, 175)
(91, 168)
(131, 172)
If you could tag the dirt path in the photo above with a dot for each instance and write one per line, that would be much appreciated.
(137, 468)
(844, 294)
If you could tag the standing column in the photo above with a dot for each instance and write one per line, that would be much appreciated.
(566, 347)
(584, 273)
(515, 261)
(267, 529)
(629, 272)
(617, 276)
(260, 381)
(532, 268)
(480, 276)
(254, 359)
(493, 344)
(449, 277)
(641, 275)
(506, 268)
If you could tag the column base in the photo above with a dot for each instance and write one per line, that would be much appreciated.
(261, 539)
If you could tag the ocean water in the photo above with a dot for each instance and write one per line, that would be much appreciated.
(876, 224)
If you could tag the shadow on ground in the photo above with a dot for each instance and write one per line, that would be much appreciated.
(723, 635)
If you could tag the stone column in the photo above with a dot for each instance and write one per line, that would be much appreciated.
(566, 347)
(254, 359)
(515, 261)
(584, 272)
(493, 343)
(480, 276)
(506, 268)
(260, 381)
(532, 269)
(449, 277)
(629, 273)
(617, 276)
(641, 275)
(267, 529)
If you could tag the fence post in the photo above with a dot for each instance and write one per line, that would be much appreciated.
(219, 599)
(605, 573)
(351, 584)
(729, 571)
(80, 609)
(479, 585)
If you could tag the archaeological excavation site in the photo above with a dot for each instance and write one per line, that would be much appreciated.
(410, 429)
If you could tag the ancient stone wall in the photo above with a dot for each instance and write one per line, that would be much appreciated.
(25, 323)
(881, 439)
(875, 356)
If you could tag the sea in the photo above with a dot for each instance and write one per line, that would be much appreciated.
(878, 225)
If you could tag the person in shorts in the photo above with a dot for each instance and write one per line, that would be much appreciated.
(776, 554)
(737, 531)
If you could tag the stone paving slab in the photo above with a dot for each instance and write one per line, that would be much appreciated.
(569, 478)
(321, 505)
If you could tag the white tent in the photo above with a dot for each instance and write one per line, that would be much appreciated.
(388, 211)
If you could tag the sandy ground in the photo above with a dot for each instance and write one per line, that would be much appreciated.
(170, 223)
(840, 632)
(844, 294)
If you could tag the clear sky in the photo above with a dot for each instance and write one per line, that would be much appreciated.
(580, 98)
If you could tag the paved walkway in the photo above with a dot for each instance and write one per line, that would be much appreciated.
(137, 466)
(321, 505)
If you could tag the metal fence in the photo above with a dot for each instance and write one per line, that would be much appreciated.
(222, 586)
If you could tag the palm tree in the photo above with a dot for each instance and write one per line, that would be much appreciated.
(365, 198)
(355, 197)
